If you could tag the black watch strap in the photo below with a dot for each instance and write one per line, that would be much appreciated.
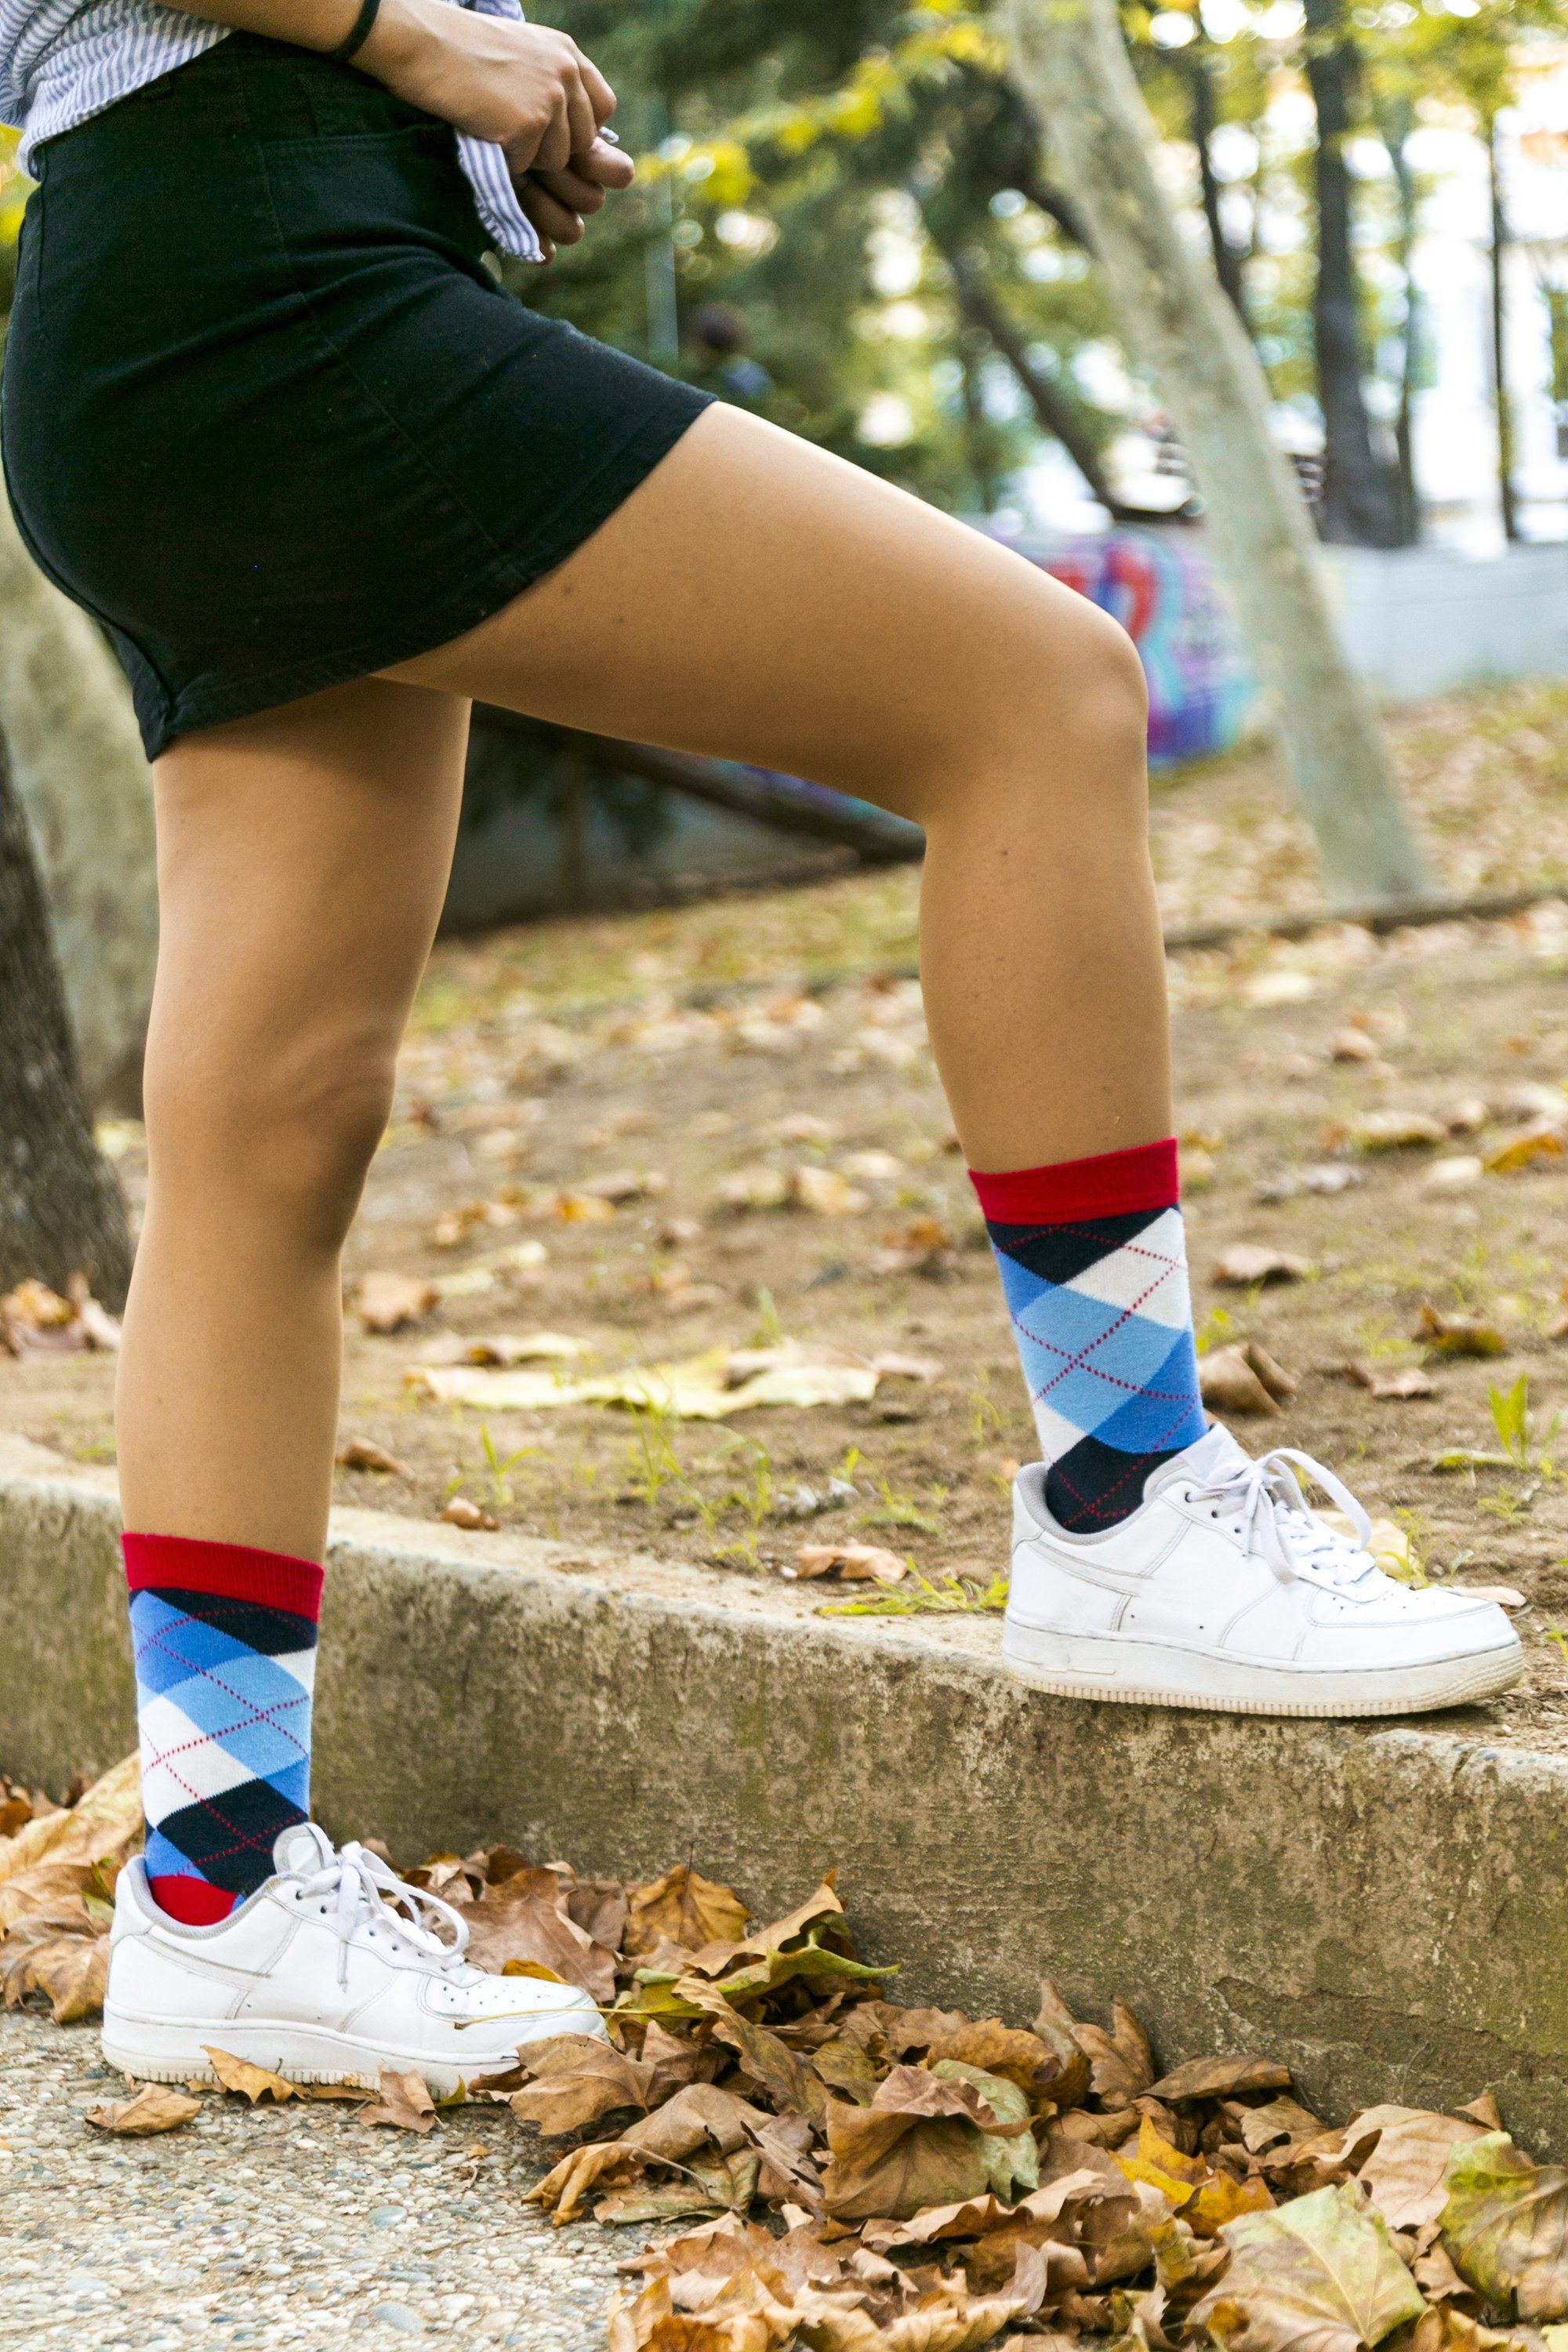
(359, 31)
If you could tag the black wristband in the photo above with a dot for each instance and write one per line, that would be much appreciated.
(359, 31)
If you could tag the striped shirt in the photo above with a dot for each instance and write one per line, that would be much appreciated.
(63, 61)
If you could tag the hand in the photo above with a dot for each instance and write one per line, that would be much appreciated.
(557, 202)
(526, 87)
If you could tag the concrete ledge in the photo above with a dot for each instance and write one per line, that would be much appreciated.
(1386, 1910)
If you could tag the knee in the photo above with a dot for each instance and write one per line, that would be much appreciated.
(1047, 702)
(293, 1129)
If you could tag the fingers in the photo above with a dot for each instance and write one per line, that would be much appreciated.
(556, 222)
(581, 121)
(606, 167)
(599, 91)
(570, 189)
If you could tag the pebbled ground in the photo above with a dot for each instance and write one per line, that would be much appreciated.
(272, 2228)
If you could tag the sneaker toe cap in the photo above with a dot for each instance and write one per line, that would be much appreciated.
(1409, 1627)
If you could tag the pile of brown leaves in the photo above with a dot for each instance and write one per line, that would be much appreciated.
(58, 1868)
(865, 2177)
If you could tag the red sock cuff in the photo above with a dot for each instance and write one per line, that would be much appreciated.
(184, 1564)
(1111, 1184)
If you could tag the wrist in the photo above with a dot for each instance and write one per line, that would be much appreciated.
(403, 34)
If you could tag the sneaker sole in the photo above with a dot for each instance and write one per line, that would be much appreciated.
(1150, 1673)
(156, 2049)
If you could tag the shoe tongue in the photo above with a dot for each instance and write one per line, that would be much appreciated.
(1215, 1455)
(300, 1849)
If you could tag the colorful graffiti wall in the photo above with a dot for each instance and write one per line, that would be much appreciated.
(1160, 586)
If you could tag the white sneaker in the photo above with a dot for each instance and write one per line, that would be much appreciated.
(328, 1972)
(1223, 1591)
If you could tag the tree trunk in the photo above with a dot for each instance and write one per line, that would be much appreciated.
(77, 764)
(1359, 506)
(1500, 341)
(1396, 123)
(1070, 59)
(1227, 260)
(60, 1209)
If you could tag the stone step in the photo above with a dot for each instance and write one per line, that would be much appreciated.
(1384, 1908)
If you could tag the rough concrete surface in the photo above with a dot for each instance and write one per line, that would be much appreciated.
(1383, 1908)
(288, 2226)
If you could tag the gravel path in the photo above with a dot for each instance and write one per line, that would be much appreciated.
(273, 2227)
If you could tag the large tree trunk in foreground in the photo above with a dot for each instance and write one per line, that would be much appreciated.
(1069, 57)
(1361, 500)
(78, 767)
(60, 1209)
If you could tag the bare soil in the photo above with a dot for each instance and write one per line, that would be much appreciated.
(682, 1046)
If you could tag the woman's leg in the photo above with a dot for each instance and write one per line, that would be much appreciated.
(760, 600)
(302, 859)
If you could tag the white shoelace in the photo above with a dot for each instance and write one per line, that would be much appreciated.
(1276, 1523)
(362, 1886)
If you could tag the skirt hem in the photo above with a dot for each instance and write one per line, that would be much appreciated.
(198, 706)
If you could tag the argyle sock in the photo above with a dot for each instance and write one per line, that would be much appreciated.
(1094, 1268)
(225, 1644)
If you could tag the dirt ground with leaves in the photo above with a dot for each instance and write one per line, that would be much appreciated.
(710, 1138)
(784, 2156)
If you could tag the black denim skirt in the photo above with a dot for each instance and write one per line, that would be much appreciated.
(267, 415)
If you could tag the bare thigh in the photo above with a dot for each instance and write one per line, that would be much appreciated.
(759, 599)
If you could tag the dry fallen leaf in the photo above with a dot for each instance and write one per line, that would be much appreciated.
(525, 1919)
(1542, 1147)
(1505, 2226)
(576, 2079)
(826, 1192)
(364, 1454)
(1244, 1379)
(685, 1908)
(154, 2108)
(1397, 1131)
(1221, 2078)
(1318, 2273)
(1121, 2066)
(854, 1562)
(461, 1513)
(403, 2101)
(1246, 1264)
(1399, 1386)
(387, 1302)
(253, 2082)
(1404, 2175)
(1458, 1335)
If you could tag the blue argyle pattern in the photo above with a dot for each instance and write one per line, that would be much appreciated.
(1102, 1316)
(224, 1690)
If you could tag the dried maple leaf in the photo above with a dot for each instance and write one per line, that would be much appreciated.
(577, 2078)
(387, 1302)
(364, 1454)
(460, 1512)
(1244, 1379)
(46, 1954)
(685, 1908)
(1458, 1335)
(1221, 2078)
(917, 2145)
(154, 2108)
(788, 2083)
(1404, 2173)
(403, 2101)
(1505, 2226)
(1121, 2064)
(526, 1923)
(1247, 1264)
(855, 1562)
(101, 1824)
(568, 2184)
(252, 2082)
(1396, 1387)
(1317, 2275)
